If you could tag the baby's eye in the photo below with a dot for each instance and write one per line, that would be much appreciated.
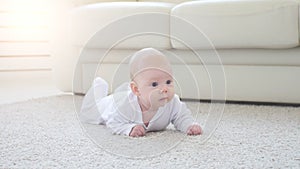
(168, 81)
(154, 84)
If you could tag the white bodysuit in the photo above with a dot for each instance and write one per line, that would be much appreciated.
(121, 112)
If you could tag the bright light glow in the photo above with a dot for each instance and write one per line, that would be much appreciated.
(26, 13)
(29, 19)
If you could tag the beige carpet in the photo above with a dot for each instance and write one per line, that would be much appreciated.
(45, 133)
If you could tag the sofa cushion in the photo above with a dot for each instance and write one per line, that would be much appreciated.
(235, 24)
(299, 20)
(133, 24)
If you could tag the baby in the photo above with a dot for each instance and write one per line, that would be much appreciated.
(148, 104)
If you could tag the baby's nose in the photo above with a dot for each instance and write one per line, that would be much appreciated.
(164, 89)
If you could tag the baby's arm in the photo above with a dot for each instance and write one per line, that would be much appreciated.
(119, 124)
(183, 119)
(131, 129)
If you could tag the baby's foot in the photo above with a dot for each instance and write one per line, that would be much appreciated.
(100, 88)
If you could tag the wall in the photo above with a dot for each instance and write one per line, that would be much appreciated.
(25, 38)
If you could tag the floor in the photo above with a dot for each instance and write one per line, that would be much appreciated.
(46, 133)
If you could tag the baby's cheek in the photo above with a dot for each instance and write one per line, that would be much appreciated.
(172, 91)
(154, 95)
(170, 96)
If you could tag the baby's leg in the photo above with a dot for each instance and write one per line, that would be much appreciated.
(89, 112)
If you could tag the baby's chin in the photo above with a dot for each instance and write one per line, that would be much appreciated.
(164, 101)
(159, 104)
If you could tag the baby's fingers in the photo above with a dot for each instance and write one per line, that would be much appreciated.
(137, 131)
(194, 130)
(141, 131)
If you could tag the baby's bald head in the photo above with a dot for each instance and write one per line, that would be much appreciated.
(148, 58)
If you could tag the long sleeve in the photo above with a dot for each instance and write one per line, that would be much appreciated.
(123, 115)
(119, 125)
(182, 116)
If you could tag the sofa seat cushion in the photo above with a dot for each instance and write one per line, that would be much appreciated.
(133, 24)
(235, 24)
(256, 57)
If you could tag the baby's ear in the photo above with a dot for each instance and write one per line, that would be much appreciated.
(134, 88)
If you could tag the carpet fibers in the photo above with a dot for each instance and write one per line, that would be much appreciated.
(46, 133)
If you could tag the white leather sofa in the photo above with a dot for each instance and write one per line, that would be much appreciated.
(241, 50)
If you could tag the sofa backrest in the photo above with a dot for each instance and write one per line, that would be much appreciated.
(168, 1)
(84, 2)
(126, 25)
(223, 23)
(235, 24)
(299, 19)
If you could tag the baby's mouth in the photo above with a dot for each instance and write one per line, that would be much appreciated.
(163, 99)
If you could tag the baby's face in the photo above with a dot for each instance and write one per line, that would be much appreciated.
(156, 88)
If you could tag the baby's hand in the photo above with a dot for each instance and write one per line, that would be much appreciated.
(137, 131)
(194, 130)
